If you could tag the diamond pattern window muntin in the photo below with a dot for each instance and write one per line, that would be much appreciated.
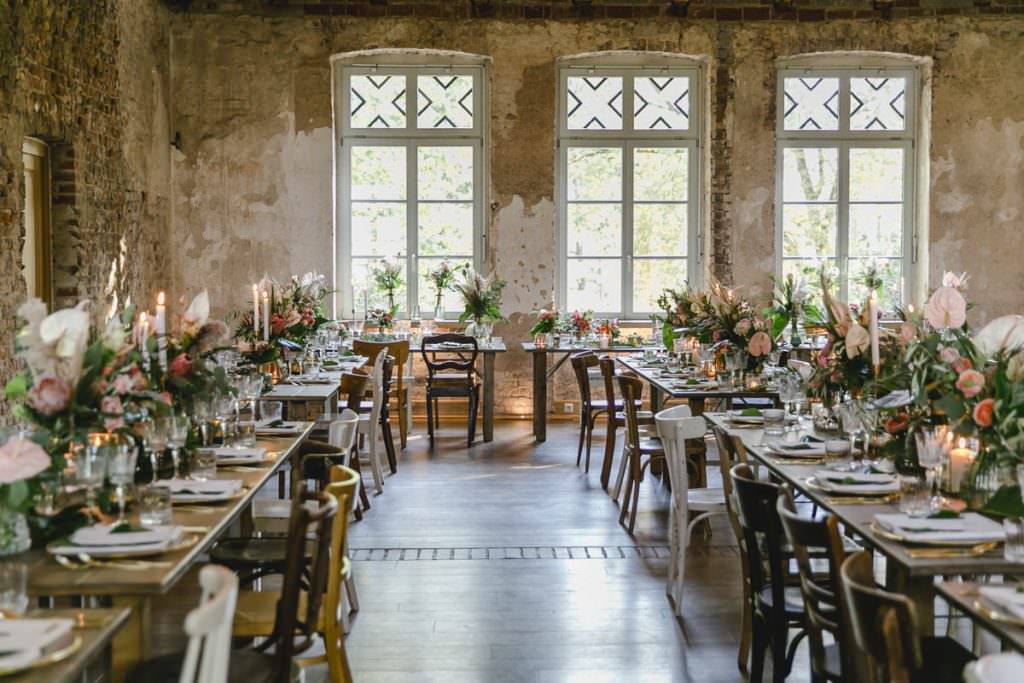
(867, 102)
(396, 101)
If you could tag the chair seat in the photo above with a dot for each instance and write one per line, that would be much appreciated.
(451, 380)
(246, 666)
(643, 417)
(706, 500)
(255, 611)
(944, 660)
(794, 601)
(265, 552)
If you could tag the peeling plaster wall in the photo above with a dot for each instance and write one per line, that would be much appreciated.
(253, 186)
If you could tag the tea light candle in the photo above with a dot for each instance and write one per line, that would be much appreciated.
(960, 461)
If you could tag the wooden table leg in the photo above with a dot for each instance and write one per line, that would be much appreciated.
(655, 399)
(540, 396)
(920, 590)
(488, 397)
(132, 644)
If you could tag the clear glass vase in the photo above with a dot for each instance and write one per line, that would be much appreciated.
(14, 535)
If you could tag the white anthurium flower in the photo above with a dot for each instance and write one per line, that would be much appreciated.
(946, 309)
(950, 279)
(1015, 368)
(114, 335)
(38, 356)
(1002, 334)
(857, 340)
(198, 311)
(66, 330)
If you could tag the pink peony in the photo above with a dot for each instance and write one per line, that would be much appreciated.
(742, 327)
(983, 413)
(21, 459)
(946, 308)
(49, 395)
(123, 384)
(181, 366)
(970, 383)
(760, 345)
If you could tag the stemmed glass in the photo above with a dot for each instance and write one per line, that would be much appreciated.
(851, 418)
(155, 434)
(202, 411)
(176, 427)
(227, 412)
(121, 471)
(933, 444)
(91, 467)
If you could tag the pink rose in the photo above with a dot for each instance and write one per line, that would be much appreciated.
(983, 413)
(961, 364)
(49, 395)
(760, 345)
(949, 355)
(123, 384)
(742, 327)
(970, 383)
(21, 459)
(181, 366)
(946, 308)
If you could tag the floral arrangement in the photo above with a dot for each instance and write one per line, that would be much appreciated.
(381, 318)
(609, 327)
(443, 278)
(716, 316)
(296, 313)
(547, 321)
(579, 323)
(388, 278)
(683, 308)
(790, 302)
(481, 296)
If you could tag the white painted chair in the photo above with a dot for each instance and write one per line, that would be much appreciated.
(369, 423)
(675, 427)
(342, 434)
(209, 628)
(1003, 667)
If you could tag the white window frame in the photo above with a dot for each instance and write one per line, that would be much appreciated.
(843, 139)
(411, 138)
(628, 140)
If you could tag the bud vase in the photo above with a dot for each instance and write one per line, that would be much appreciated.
(14, 535)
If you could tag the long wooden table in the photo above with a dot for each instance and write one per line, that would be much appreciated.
(96, 628)
(913, 577)
(665, 387)
(134, 589)
(963, 594)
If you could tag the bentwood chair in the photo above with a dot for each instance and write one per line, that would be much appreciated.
(638, 453)
(399, 351)
(353, 387)
(294, 619)
(775, 606)
(676, 426)
(885, 629)
(451, 374)
(643, 417)
(255, 614)
(590, 408)
(822, 590)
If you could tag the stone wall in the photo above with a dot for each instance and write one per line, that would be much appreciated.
(91, 78)
(252, 99)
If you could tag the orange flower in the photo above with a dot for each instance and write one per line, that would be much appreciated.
(983, 412)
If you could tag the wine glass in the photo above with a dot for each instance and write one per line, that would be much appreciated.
(176, 427)
(91, 467)
(121, 460)
(226, 410)
(202, 411)
(155, 434)
(850, 417)
(933, 444)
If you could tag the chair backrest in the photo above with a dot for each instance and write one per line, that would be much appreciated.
(581, 364)
(342, 432)
(209, 627)
(675, 426)
(823, 596)
(377, 384)
(762, 530)
(399, 350)
(607, 365)
(731, 452)
(294, 633)
(353, 388)
(884, 624)
(344, 483)
(457, 360)
(631, 387)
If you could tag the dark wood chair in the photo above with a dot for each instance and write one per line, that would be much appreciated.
(644, 417)
(639, 452)
(298, 607)
(451, 373)
(822, 590)
(886, 631)
(590, 409)
(775, 606)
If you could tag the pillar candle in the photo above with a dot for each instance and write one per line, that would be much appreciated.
(266, 315)
(161, 330)
(255, 309)
(143, 338)
(960, 461)
(873, 322)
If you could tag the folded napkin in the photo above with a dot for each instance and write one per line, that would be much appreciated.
(210, 487)
(102, 535)
(1006, 597)
(970, 527)
(1002, 667)
(229, 453)
(22, 641)
(800, 450)
(857, 483)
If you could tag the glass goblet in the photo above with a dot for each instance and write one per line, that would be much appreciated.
(933, 445)
(91, 467)
(176, 428)
(121, 458)
(155, 434)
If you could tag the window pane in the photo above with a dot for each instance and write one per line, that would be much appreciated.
(809, 174)
(594, 103)
(445, 173)
(595, 284)
(445, 228)
(876, 229)
(451, 301)
(378, 229)
(659, 229)
(594, 230)
(889, 270)
(660, 173)
(595, 173)
(377, 101)
(444, 101)
(809, 230)
(362, 281)
(661, 103)
(651, 276)
(878, 103)
(876, 174)
(811, 104)
(378, 173)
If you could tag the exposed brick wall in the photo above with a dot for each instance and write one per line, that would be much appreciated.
(86, 76)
